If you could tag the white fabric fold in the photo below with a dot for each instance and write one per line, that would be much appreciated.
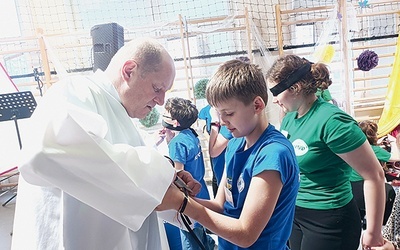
(88, 181)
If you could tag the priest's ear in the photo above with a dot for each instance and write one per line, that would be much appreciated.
(129, 68)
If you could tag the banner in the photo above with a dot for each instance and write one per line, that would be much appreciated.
(390, 117)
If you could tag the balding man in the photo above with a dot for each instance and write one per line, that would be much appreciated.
(87, 180)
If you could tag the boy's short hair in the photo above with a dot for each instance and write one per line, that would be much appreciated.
(237, 79)
(182, 110)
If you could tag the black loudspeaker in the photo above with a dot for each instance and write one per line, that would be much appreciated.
(107, 39)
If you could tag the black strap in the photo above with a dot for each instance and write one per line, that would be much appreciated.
(291, 79)
(187, 223)
(183, 206)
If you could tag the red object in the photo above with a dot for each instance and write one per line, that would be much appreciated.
(396, 183)
(395, 131)
(12, 82)
(7, 171)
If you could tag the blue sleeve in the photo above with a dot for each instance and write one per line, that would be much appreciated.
(274, 156)
(204, 114)
(177, 151)
(225, 133)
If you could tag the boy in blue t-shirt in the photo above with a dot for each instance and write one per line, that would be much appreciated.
(255, 203)
(185, 150)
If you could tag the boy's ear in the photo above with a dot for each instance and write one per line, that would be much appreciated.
(259, 104)
(176, 123)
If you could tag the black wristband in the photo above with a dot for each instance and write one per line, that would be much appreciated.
(184, 203)
(217, 124)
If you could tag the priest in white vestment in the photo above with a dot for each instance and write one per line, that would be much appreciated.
(88, 182)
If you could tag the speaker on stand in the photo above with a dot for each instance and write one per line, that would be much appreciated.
(107, 39)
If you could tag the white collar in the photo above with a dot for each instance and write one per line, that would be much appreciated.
(103, 81)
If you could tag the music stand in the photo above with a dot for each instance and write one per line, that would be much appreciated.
(14, 106)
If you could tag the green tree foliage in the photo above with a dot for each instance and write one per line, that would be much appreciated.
(200, 89)
(151, 119)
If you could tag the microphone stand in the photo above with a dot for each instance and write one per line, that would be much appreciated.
(37, 79)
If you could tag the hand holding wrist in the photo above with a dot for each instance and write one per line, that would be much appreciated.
(216, 124)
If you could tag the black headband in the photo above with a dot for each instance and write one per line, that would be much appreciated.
(291, 79)
(178, 128)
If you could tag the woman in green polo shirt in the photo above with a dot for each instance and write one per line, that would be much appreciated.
(328, 144)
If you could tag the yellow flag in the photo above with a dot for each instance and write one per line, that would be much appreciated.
(390, 117)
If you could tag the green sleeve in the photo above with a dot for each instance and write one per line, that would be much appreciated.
(381, 154)
(342, 133)
(326, 95)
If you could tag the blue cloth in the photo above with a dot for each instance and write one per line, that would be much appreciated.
(189, 243)
(204, 114)
(173, 236)
(185, 148)
(272, 151)
(218, 163)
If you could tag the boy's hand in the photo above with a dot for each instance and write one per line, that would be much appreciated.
(193, 184)
(159, 138)
(171, 200)
(169, 134)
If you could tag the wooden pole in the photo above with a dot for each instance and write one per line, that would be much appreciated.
(248, 32)
(279, 28)
(185, 62)
(190, 69)
(345, 51)
(45, 59)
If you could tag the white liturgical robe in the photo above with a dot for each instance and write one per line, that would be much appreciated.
(87, 180)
